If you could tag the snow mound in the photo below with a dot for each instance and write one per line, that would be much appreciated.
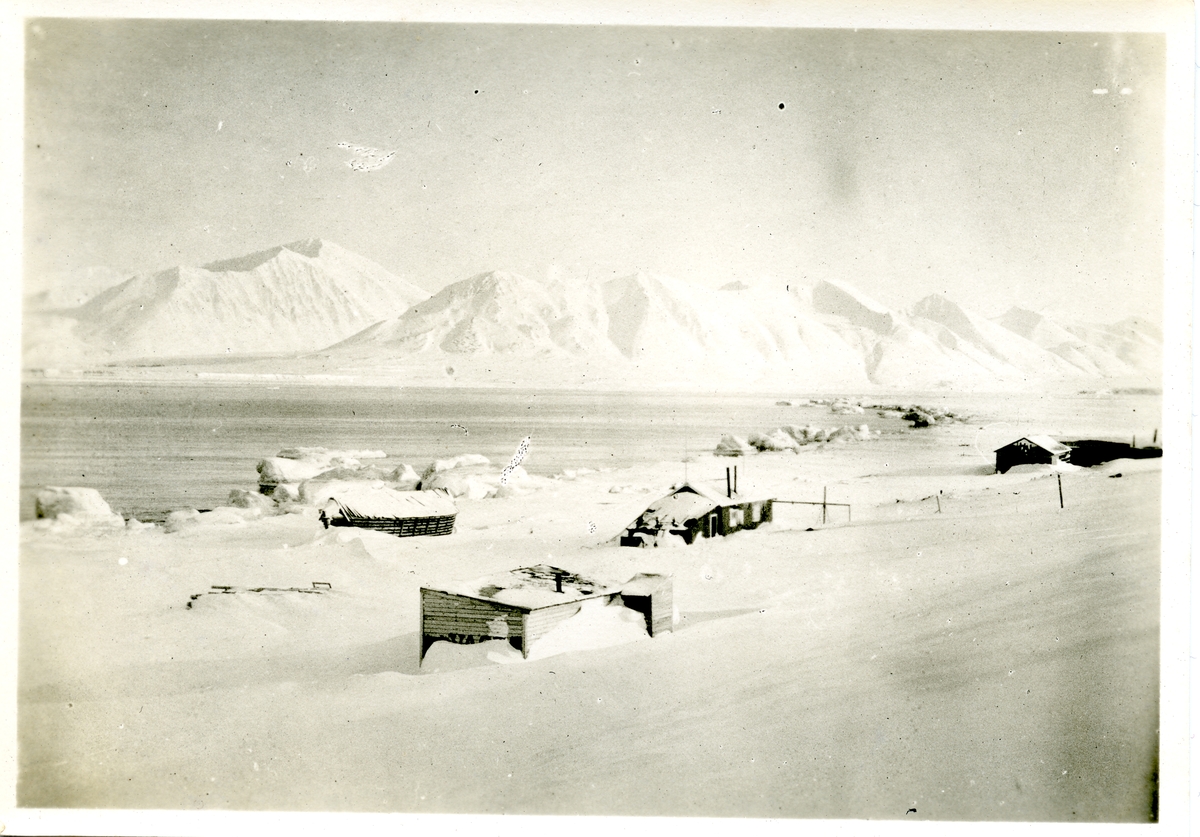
(599, 624)
(473, 476)
(461, 461)
(731, 445)
(443, 656)
(293, 465)
(243, 499)
(182, 520)
(776, 440)
(75, 507)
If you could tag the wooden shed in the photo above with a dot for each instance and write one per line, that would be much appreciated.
(525, 604)
(1031, 450)
(692, 511)
(400, 513)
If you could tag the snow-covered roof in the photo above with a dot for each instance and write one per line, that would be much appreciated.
(718, 497)
(1043, 442)
(383, 502)
(679, 507)
(533, 587)
(644, 584)
(689, 502)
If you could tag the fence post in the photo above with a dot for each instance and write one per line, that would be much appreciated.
(1060, 497)
(824, 500)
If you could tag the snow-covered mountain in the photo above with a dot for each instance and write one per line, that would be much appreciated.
(71, 289)
(649, 330)
(287, 299)
(317, 307)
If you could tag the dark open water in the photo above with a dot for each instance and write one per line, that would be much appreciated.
(151, 448)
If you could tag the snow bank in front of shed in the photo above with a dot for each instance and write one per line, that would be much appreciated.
(598, 624)
(444, 656)
(1044, 468)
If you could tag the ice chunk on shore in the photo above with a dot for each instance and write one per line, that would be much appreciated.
(324, 454)
(243, 499)
(281, 471)
(463, 461)
(731, 445)
(75, 506)
(777, 439)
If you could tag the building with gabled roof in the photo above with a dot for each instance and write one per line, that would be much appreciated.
(1031, 450)
(693, 511)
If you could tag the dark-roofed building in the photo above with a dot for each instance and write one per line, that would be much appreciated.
(692, 511)
(400, 513)
(1031, 450)
(523, 605)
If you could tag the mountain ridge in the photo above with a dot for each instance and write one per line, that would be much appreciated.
(314, 305)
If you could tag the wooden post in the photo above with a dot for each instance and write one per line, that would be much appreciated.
(728, 485)
(1134, 445)
(1155, 441)
(1060, 497)
(824, 499)
(938, 497)
(735, 479)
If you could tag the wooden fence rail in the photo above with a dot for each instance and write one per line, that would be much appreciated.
(822, 504)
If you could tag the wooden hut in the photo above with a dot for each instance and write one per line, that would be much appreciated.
(1031, 450)
(525, 604)
(400, 513)
(652, 595)
(692, 511)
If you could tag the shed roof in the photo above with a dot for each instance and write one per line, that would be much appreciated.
(645, 584)
(1043, 442)
(387, 503)
(679, 507)
(529, 588)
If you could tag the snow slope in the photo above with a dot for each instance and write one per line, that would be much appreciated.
(991, 657)
(1120, 350)
(494, 312)
(283, 300)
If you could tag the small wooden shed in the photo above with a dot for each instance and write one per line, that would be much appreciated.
(692, 511)
(1031, 450)
(525, 604)
(400, 513)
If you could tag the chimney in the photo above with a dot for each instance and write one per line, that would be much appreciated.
(558, 577)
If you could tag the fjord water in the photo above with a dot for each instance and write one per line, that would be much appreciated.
(153, 447)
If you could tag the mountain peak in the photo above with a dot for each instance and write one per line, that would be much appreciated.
(310, 247)
(829, 297)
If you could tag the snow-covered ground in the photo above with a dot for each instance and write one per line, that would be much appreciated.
(994, 660)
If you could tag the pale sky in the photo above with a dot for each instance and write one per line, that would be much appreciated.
(1001, 169)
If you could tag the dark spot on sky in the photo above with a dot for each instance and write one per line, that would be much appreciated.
(476, 92)
(781, 105)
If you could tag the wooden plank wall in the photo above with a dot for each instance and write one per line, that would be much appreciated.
(466, 621)
(658, 608)
(402, 527)
(662, 610)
